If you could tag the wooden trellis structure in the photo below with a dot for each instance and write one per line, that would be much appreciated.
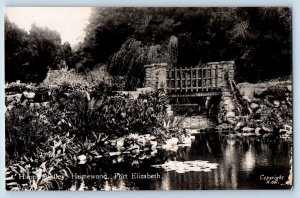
(185, 84)
(209, 79)
(193, 81)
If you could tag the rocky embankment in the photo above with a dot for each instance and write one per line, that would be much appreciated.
(37, 98)
(269, 109)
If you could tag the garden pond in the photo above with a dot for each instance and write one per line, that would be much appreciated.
(212, 161)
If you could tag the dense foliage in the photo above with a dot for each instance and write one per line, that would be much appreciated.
(29, 55)
(44, 143)
(258, 39)
(82, 116)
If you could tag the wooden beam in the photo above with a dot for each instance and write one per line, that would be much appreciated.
(207, 79)
(202, 79)
(195, 94)
(186, 75)
(188, 105)
(168, 79)
(175, 79)
(191, 78)
(216, 76)
(197, 79)
(181, 79)
(211, 78)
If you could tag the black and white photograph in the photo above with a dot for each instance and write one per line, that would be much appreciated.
(148, 98)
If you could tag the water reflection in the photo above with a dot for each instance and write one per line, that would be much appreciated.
(230, 166)
(241, 161)
(248, 161)
(165, 184)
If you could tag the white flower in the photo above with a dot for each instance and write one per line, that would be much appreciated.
(81, 159)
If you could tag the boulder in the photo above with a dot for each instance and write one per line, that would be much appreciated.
(145, 90)
(254, 105)
(170, 113)
(227, 100)
(9, 107)
(262, 106)
(81, 159)
(289, 88)
(258, 130)
(246, 90)
(37, 104)
(258, 91)
(248, 130)
(15, 97)
(9, 98)
(66, 94)
(169, 108)
(238, 126)
(276, 103)
(18, 97)
(134, 95)
(229, 108)
(232, 121)
(230, 114)
(228, 105)
(220, 128)
(130, 94)
(246, 98)
(267, 129)
(28, 95)
(25, 102)
(45, 104)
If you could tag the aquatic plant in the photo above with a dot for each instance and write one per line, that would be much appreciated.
(187, 166)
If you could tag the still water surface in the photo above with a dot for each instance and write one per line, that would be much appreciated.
(243, 163)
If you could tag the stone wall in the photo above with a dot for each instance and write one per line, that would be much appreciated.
(33, 99)
(225, 73)
(156, 75)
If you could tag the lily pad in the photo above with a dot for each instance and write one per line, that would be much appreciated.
(187, 166)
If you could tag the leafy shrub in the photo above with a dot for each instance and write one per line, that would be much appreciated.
(277, 92)
(88, 79)
(50, 168)
(44, 143)
(271, 119)
(26, 130)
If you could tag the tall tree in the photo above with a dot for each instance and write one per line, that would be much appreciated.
(28, 56)
(16, 51)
